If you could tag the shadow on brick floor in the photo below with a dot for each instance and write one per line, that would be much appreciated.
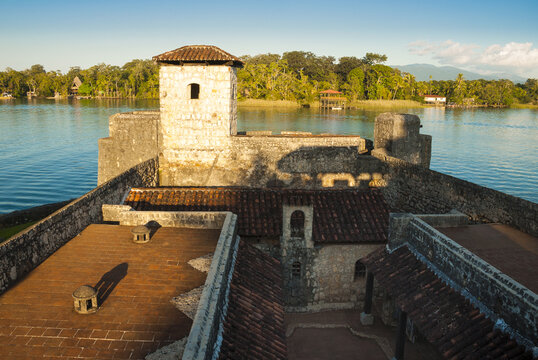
(109, 281)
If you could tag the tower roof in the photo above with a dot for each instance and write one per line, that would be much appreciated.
(198, 54)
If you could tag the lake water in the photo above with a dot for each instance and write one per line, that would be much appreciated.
(48, 149)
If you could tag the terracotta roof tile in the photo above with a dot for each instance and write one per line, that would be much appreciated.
(198, 53)
(446, 318)
(254, 324)
(330, 91)
(340, 216)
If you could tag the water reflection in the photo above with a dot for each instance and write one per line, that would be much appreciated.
(48, 148)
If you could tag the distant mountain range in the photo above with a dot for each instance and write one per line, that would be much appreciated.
(422, 72)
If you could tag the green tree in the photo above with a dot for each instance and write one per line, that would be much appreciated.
(297, 76)
(315, 67)
(346, 64)
(373, 59)
(15, 83)
(459, 90)
(85, 89)
(378, 82)
(354, 87)
(261, 59)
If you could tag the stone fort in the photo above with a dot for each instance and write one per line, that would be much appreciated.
(305, 223)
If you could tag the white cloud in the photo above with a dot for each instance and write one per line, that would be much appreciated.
(520, 58)
(456, 53)
(512, 54)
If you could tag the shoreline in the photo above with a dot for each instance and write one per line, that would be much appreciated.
(34, 213)
(16, 221)
(360, 104)
(353, 105)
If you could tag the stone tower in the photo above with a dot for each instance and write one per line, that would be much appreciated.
(399, 134)
(198, 106)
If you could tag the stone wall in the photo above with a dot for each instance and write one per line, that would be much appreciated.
(133, 138)
(126, 215)
(302, 161)
(24, 251)
(205, 336)
(496, 294)
(333, 276)
(415, 189)
(298, 160)
(326, 276)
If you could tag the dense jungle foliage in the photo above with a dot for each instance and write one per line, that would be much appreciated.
(137, 78)
(296, 75)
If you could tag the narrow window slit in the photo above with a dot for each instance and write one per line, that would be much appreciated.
(194, 91)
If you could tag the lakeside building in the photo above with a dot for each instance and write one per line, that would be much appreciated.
(248, 236)
(73, 90)
(435, 99)
(332, 100)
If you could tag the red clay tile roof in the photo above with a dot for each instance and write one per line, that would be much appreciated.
(340, 216)
(198, 53)
(330, 91)
(254, 324)
(447, 319)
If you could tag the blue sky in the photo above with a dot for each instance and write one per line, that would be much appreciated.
(476, 35)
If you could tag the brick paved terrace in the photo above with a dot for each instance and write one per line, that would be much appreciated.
(136, 282)
(513, 252)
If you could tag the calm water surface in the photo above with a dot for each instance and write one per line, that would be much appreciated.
(48, 149)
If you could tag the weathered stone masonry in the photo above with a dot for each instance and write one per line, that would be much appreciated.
(192, 128)
(269, 161)
(415, 189)
(133, 138)
(399, 134)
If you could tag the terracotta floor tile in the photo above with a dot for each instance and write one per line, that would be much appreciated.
(71, 351)
(53, 342)
(36, 341)
(68, 332)
(52, 332)
(117, 345)
(89, 353)
(21, 330)
(69, 342)
(99, 334)
(19, 340)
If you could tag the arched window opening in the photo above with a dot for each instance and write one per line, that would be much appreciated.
(296, 270)
(360, 270)
(297, 224)
(194, 90)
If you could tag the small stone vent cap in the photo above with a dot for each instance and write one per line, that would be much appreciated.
(140, 234)
(85, 299)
